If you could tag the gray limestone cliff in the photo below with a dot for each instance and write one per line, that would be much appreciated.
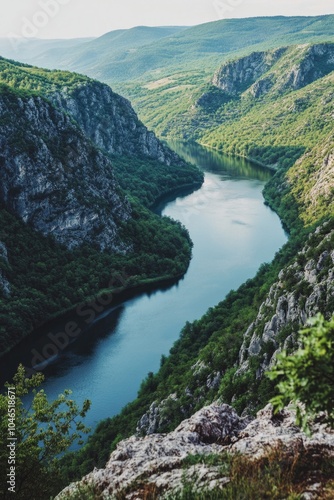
(53, 178)
(236, 76)
(110, 122)
(158, 463)
(5, 288)
(303, 289)
(57, 136)
(276, 71)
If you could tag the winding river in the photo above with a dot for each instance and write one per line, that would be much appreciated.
(233, 233)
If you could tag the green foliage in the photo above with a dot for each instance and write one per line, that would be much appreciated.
(307, 376)
(42, 432)
(285, 129)
(278, 474)
(214, 340)
(27, 80)
(47, 279)
(150, 181)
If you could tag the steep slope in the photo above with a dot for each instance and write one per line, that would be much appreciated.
(68, 230)
(278, 118)
(234, 77)
(276, 71)
(110, 121)
(105, 117)
(53, 179)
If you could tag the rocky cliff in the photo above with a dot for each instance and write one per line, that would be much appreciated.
(5, 288)
(160, 464)
(236, 76)
(53, 178)
(58, 132)
(275, 71)
(304, 288)
(110, 121)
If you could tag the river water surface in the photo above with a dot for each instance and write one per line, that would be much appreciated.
(233, 233)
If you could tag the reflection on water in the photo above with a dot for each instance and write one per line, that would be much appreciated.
(213, 161)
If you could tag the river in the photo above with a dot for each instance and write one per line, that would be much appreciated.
(233, 233)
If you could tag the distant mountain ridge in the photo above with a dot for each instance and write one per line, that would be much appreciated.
(123, 55)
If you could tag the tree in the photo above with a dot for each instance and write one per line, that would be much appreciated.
(307, 376)
(32, 439)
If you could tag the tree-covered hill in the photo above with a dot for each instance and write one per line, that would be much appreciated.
(78, 172)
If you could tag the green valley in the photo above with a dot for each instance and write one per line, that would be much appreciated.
(258, 88)
(287, 127)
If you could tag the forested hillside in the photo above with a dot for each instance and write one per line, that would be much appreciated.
(71, 219)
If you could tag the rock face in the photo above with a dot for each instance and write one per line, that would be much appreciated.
(158, 460)
(110, 122)
(4, 283)
(281, 70)
(269, 430)
(236, 76)
(53, 178)
(55, 167)
(315, 62)
(153, 419)
(304, 289)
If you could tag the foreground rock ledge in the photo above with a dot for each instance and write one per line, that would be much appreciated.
(214, 429)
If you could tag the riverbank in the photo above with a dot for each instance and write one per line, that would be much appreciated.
(272, 168)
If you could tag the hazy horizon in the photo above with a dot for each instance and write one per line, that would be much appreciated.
(87, 37)
(72, 19)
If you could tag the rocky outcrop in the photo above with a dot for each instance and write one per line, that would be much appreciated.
(158, 461)
(55, 167)
(303, 289)
(279, 71)
(110, 122)
(154, 418)
(236, 76)
(204, 433)
(314, 62)
(4, 283)
(53, 178)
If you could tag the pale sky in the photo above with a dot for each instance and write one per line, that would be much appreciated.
(84, 18)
